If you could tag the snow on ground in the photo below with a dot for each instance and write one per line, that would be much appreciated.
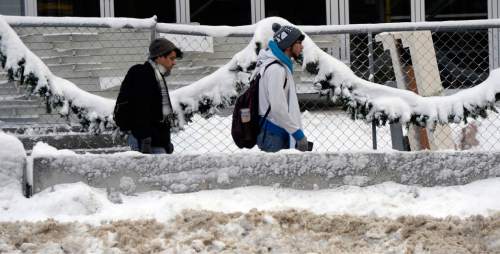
(384, 218)
(79, 202)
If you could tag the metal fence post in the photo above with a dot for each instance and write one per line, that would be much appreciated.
(153, 29)
(397, 137)
(371, 79)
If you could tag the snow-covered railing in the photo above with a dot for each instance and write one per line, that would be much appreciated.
(435, 26)
(248, 30)
(80, 22)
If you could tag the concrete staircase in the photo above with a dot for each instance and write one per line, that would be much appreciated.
(16, 108)
(86, 59)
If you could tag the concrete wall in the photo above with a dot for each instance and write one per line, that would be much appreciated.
(188, 173)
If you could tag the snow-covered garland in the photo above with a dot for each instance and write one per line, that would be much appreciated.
(363, 99)
(53, 101)
(93, 112)
(382, 104)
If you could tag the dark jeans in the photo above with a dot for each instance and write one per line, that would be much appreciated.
(270, 142)
(134, 145)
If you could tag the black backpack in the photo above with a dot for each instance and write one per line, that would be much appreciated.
(122, 112)
(244, 129)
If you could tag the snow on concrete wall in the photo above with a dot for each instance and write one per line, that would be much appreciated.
(131, 172)
(12, 161)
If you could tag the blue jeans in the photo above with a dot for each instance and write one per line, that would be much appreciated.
(134, 145)
(271, 142)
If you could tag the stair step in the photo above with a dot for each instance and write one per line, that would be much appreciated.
(65, 52)
(73, 66)
(76, 37)
(73, 140)
(63, 36)
(101, 72)
(111, 94)
(21, 110)
(3, 78)
(18, 119)
(68, 59)
(14, 97)
(10, 90)
(81, 81)
(19, 102)
(38, 128)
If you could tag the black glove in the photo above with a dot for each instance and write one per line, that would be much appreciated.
(302, 145)
(146, 145)
(169, 148)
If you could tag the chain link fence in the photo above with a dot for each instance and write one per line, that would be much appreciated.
(94, 58)
(428, 62)
(431, 63)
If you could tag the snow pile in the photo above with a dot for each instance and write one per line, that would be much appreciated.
(12, 164)
(12, 160)
(43, 149)
(288, 231)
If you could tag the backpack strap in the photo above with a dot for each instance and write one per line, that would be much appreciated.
(284, 85)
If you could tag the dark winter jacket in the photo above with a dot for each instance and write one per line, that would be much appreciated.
(141, 89)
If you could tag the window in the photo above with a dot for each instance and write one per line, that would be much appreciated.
(437, 10)
(463, 57)
(378, 11)
(11, 7)
(164, 9)
(298, 13)
(72, 8)
(221, 12)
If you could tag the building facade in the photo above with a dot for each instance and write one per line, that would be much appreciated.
(299, 12)
(243, 12)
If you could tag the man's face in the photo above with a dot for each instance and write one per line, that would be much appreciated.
(296, 49)
(167, 61)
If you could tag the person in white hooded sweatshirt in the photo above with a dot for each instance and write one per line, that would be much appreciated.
(282, 128)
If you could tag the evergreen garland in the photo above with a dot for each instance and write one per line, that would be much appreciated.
(360, 108)
(53, 101)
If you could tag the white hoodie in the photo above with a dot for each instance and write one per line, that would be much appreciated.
(285, 111)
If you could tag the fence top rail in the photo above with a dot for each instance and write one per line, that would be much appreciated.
(434, 26)
(203, 30)
(248, 30)
(20, 21)
(238, 31)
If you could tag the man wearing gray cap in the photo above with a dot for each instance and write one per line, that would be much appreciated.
(278, 103)
(145, 99)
